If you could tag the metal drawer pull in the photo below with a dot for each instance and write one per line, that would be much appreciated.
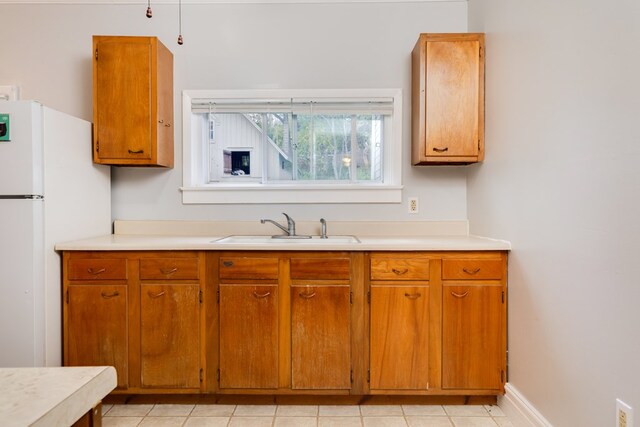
(259, 296)
(471, 271)
(158, 295)
(107, 296)
(96, 272)
(440, 150)
(459, 295)
(307, 296)
(168, 271)
(400, 272)
(413, 296)
(136, 151)
(227, 263)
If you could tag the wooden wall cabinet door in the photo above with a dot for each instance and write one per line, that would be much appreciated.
(448, 99)
(132, 101)
(170, 335)
(320, 337)
(248, 336)
(399, 339)
(96, 332)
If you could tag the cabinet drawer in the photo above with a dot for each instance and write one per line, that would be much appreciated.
(399, 269)
(472, 269)
(320, 268)
(97, 269)
(248, 268)
(169, 268)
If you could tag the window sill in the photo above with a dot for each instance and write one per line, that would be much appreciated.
(261, 194)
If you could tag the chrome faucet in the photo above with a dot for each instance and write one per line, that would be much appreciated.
(291, 225)
(323, 228)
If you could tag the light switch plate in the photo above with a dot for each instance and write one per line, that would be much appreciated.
(9, 93)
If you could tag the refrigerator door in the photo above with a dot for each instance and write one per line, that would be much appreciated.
(21, 158)
(21, 282)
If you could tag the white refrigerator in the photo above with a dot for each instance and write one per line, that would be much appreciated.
(50, 191)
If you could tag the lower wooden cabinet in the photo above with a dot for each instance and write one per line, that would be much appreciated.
(141, 312)
(97, 330)
(279, 322)
(248, 336)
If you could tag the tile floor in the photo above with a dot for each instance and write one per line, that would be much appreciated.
(164, 415)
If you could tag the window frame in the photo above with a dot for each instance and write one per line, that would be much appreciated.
(195, 159)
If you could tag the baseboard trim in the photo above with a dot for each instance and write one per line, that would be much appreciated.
(519, 410)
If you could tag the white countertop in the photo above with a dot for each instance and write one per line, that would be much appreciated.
(123, 242)
(51, 396)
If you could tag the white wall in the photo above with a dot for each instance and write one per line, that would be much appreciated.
(47, 50)
(562, 183)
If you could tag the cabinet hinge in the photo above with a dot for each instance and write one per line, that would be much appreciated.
(351, 298)
(503, 297)
(369, 297)
(368, 376)
(67, 297)
(97, 146)
(218, 296)
(96, 54)
(478, 145)
(201, 375)
(351, 376)
(200, 296)
(218, 375)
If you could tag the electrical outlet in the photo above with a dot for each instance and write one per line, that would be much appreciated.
(413, 205)
(624, 414)
(9, 93)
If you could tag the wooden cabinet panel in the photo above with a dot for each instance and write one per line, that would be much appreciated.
(248, 336)
(96, 332)
(472, 269)
(473, 349)
(320, 337)
(133, 101)
(169, 268)
(249, 268)
(320, 268)
(399, 268)
(170, 336)
(97, 269)
(399, 337)
(448, 98)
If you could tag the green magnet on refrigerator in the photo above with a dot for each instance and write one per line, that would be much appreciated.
(4, 127)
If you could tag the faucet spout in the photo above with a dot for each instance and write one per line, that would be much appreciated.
(290, 229)
(263, 221)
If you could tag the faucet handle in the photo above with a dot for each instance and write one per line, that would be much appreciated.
(291, 224)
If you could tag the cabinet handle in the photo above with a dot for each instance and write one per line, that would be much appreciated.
(413, 296)
(96, 272)
(168, 125)
(307, 296)
(108, 296)
(167, 271)
(140, 151)
(152, 295)
(260, 296)
(400, 272)
(227, 263)
(459, 295)
(440, 150)
(474, 271)
(160, 121)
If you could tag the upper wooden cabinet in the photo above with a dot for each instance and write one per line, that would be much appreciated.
(447, 99)
(132, 101)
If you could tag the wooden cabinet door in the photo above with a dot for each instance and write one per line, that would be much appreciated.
(96, 334)
(320, 337)
(472, 341)
(249, 336)
(122, 98)
(399, 342)
(170, 335)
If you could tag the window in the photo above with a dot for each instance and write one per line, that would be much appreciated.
(292, 146)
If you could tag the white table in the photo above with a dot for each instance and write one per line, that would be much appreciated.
(52, 397)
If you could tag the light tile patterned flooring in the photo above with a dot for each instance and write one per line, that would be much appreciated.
(164, 415)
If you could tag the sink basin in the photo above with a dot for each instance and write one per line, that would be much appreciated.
(314, 240)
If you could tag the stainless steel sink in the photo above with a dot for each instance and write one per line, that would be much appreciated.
(280, 240)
